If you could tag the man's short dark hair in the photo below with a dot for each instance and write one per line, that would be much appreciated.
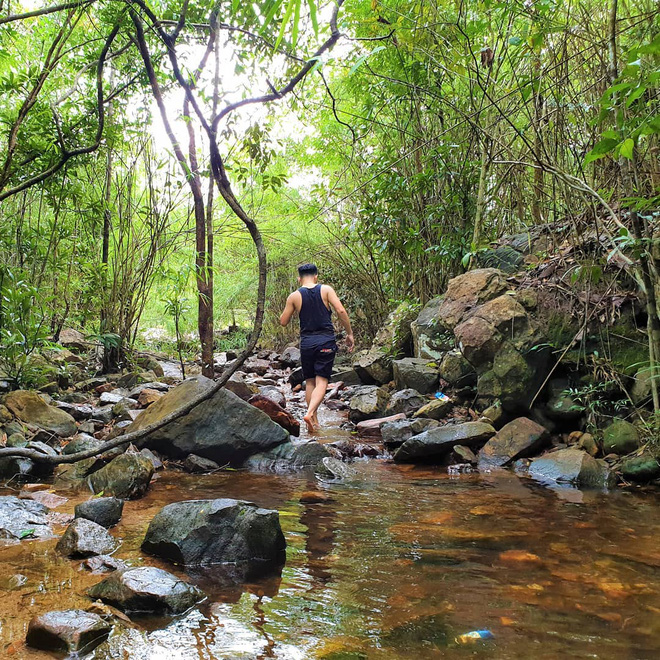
(307, 269)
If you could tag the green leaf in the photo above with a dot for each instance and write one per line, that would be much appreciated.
(515, 41)
(626, 148)
(361, 60)
(312, 15)
(24, 533)
(601, 149)
(287, 15)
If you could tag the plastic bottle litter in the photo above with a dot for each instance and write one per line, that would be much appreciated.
(441, 396)
(474, 636)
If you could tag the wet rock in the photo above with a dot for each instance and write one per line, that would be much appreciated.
(69, 631)
(278, 414)
(146, 589)
(348, 449)
(104, 564)
(274, 394)
(520, 438)
(405, 401)
(290, 357)
(570, 466)
(127, 476)
(621, 438)
(641, 469)
(104, 511)
(30, 408)
(436, 409)
(84, 538)
(417, 374)
(368, 402)
(287, 457)
(155, 461)
(224, 428)
(436, 443)
(81, 442)
(371, 427)
(456, 370)
(23, 518)
(199, 465)
(203, 532)
(462, 454)
(336, 470)
(395, 433)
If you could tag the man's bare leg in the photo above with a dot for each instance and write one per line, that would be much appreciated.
(314, 402)
(310, 384)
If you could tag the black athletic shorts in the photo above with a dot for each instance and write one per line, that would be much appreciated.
(318, 360)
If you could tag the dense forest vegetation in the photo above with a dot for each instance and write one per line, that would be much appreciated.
(164, 166)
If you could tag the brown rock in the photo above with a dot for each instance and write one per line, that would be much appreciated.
(30, 408)
(520, 438)
(280, 416)
(370, 428)
(148, 396)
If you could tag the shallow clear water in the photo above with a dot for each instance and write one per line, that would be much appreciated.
(396, 564)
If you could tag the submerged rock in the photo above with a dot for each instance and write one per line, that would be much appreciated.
(127, 476)
(146, 589)
(69, 631)
(30, 408)
(23, 518)
(104, 511)
(520, 438)
(620, 437)
(287, 457)
(331, 468)
(224, 428)
(570, 466)
(436, 443)
(84, 538)
(202, 532)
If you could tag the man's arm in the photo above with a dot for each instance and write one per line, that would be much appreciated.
(341, 312)
(289, 309)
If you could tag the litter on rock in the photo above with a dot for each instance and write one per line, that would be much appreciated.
(474, 636)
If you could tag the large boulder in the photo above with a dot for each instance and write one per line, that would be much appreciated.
(223, 428)
(431, 338)
(146, 589)
(393, 340)
(368, 402)
(23, 518)
(276, 412)
(204, 532)
(436, 443)
(30, 408)
(287, 457)
(620, 437)
(68, 631)
(417, 374)
(127, 476)
(642, 469)
(518, 439)
(570, 466)
(84, 538)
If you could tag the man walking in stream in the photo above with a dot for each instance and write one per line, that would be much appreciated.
(318, 346)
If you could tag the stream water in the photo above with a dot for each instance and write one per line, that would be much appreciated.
(396, 564)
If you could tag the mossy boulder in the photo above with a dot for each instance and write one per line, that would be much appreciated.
(30, 408)
(127, 476)
(620, 437)
(641, 469)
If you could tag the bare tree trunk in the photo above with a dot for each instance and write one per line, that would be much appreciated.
(537, 196)
(481, 195)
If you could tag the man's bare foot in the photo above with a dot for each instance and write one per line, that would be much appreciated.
(310, 424)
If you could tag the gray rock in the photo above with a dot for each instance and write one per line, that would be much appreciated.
(290, 357)
(84, 538)
(274, 394)
(155, 461)
(104, 511)
(456, 370)
(199, 465)
(224, 428)
(287, 457)
(368, 402)
(394, 434)
(127, 476)
(641, 389)
(347, 376)
(203, 532)
(102, 415)
(104, 564)
(570, 466)
(296, 377)
(464, 455)
(146, 589)
(16, 440)
(405, 401)
(561, 406)
(431, 340)
(111, 398)
(436, 409)
(436, 443)
(417, 374)
(520, 438)
(23, 518)
(69, 631)
(81, 442)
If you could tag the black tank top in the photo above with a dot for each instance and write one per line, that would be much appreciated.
(315, 318)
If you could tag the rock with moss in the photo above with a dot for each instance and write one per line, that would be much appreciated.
(620, 437)
(127, 476)
(368, 402)
(30, 408)
(641, 469)
(456, 370)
